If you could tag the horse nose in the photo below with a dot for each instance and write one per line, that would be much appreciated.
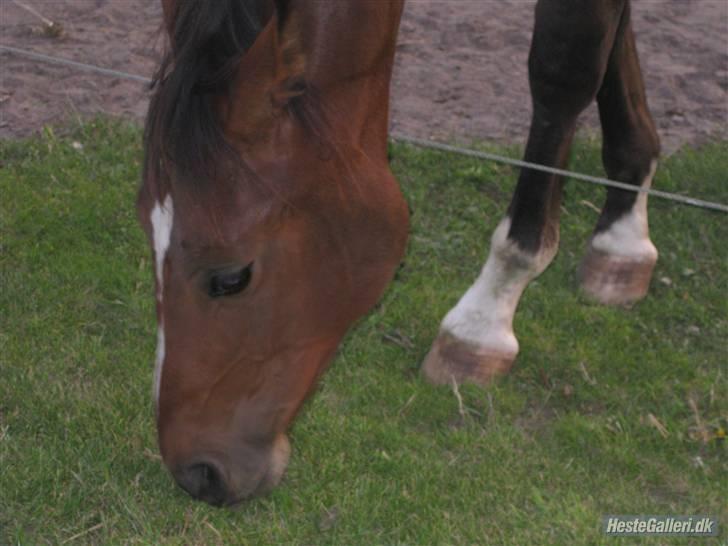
(204, 480)
(233, 476)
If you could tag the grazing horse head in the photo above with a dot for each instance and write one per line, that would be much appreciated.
(274, 220)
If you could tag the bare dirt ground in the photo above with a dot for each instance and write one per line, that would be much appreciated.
(460, 72)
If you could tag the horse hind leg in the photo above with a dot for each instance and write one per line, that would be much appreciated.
(571, 43)
(620, 256)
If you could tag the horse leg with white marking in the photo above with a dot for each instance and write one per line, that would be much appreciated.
(571, 44)
(618, 264)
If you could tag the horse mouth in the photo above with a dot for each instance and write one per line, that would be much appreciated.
(272, 476)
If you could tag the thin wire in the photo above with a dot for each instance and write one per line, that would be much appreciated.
(74, 64)
(422, 143)
(561, 172)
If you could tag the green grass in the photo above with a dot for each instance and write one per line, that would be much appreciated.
(379, 456)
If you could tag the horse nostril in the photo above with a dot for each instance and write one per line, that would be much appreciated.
(204, 481)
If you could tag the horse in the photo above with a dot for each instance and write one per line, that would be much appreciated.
(275, 221)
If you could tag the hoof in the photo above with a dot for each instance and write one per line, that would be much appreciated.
(450, 358)
(615, 280)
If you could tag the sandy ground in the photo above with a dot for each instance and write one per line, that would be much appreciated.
(460, 72)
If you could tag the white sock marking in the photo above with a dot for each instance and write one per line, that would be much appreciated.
(161, 217)
(629, 236)
(484, 315)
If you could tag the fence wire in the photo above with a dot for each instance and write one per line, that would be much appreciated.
(419, 142)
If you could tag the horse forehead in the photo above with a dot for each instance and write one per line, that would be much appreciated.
(219, 212)
(220, 220)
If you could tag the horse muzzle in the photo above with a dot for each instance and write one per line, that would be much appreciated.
(227, 480)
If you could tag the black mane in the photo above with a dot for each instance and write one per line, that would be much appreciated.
(208, 37)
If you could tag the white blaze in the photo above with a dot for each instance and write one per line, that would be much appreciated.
(629, 236)
(161, 217)
(484, 315)
(159, 361)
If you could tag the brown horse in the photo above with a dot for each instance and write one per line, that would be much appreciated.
(275, 221)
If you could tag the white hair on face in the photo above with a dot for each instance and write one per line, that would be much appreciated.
(158, 361)
(161, 217)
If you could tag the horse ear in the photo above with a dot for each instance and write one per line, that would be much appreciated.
(290, 71)
(269, 75)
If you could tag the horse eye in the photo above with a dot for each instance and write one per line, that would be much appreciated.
(227, 283)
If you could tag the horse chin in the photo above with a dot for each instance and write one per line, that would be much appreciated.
(279, 456)
(278, 462)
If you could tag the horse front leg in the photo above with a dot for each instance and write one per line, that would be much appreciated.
(476, 340)
(567, 61)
